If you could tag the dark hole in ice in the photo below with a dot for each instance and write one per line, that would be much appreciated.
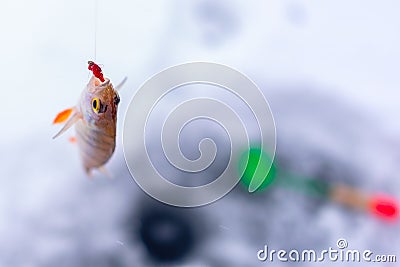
(166, 235)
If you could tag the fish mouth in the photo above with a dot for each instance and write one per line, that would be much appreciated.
(95, 84)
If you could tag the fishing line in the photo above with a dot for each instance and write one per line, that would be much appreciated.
(96, 4)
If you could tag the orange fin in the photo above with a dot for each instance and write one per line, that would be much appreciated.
(74, 118)
(63, 116)
(72, 140)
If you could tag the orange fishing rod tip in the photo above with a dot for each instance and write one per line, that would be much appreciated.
(384, 207)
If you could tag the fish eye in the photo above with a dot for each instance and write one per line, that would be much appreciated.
(96, 104)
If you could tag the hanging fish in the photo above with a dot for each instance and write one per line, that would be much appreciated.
(95, 118)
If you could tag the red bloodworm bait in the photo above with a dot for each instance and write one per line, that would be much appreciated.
(97, 72)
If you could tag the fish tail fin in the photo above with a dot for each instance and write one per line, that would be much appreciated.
(89, 172)
(105, 172)
(71, 121)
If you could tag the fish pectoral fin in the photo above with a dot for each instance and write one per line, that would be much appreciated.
(72, 140)
(63, 115)
(74, 118)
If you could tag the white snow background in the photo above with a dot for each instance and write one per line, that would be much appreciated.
(330, 70)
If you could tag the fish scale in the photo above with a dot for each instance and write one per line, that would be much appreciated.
(95, 147)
